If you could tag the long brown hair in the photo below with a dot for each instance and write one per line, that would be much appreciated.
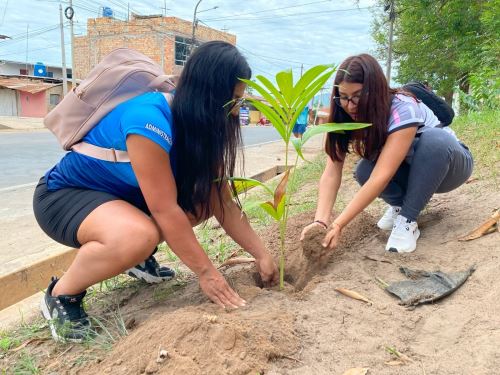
(373, 107)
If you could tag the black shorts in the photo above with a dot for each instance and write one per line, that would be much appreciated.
(61, 212)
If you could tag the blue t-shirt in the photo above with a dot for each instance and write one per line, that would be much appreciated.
(148, 115)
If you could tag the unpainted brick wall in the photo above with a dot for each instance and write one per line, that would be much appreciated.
(155, 37)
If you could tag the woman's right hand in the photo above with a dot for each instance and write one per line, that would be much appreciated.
(308, 228)
(215, 286)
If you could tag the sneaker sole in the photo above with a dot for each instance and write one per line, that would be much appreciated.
(394, 250)
(146, 277)
(46, 314)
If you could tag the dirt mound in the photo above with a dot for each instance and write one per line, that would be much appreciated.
(306, 258)
(202, 340)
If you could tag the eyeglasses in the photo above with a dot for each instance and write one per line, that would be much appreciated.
(236, 102)
(343, 101)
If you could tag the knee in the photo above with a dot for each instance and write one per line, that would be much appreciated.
(363, 170)
(135, 242)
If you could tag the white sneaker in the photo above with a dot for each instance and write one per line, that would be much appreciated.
(386, 222)
(404, 235)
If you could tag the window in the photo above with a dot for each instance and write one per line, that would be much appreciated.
(181, 50)
(23, 72)
(50, 74)
(55, 99)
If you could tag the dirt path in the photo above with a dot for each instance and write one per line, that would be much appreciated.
(309, 328)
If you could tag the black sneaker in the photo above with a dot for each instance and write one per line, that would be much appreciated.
(151, 272)
(67, 319)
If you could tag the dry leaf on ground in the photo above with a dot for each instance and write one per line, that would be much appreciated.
(353, 294)
(483, 229)
(357, 371)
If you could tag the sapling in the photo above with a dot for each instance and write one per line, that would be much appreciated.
(285, 101)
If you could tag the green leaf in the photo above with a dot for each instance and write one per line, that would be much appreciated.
(242, 184)
(306, 97)
(331, 127)
(297, 143)
(280, 209)
(308, 78)
(273, 90)
(249, 205)
(271, 116)
(284, 80)
(266, 95)
(268, 207)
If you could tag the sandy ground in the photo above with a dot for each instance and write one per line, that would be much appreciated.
(309, 328)
(22, 242)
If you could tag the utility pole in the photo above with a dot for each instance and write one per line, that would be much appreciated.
(392, 16)
(301, 69)
(69, 13)
(63, 51)
(195, 21)
(27, 38)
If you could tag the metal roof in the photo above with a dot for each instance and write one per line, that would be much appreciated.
(30, 85)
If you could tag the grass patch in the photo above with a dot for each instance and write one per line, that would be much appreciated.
(480, 131)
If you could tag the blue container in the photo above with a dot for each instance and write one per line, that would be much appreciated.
(107, 12)
(40, 70)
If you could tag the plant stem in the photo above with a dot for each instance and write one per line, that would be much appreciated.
(282, 253)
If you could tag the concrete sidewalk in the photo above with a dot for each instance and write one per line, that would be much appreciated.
(21, 123)
(22, 242)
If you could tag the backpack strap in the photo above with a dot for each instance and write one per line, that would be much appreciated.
(101, 153)
(108, 154)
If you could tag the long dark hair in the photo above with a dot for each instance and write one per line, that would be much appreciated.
(373, 107)
(206, 135)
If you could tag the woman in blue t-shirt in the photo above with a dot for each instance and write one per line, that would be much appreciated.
(407, 155)
(117, 212)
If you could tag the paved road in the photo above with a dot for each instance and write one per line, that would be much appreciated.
(25, 157)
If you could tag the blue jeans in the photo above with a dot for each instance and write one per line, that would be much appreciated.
(436, 163)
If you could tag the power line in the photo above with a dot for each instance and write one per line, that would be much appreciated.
(263, 57)
(245, 49)
(296, 14)
(268, 10)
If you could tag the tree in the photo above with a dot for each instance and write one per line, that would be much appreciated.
(440, 41)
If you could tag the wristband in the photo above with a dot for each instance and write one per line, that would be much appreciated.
(322, 223)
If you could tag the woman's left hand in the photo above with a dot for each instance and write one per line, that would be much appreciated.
(267, 269)
(332, 237)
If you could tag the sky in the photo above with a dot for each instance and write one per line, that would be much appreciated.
(273, 34)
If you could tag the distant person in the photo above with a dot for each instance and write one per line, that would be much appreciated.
(405, 156)
(116, 213)
(300, 125)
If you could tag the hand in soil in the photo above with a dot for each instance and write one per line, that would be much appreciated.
(308, 228)
(218, 290)
(332, 237)
(268, 270)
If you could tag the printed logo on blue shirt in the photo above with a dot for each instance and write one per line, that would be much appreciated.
(160, 132)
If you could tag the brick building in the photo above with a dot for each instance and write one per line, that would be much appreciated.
(164, 39)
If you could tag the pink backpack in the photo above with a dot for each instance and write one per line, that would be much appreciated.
(121, 75)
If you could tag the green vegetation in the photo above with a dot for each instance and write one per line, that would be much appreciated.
(448, 43)
(286, 101)
(480, 131)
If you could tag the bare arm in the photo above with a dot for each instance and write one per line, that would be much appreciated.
(329, 185)
(236, 225)
(391, 157)
(151, 165)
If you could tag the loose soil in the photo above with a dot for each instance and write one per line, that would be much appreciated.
(309, 328)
